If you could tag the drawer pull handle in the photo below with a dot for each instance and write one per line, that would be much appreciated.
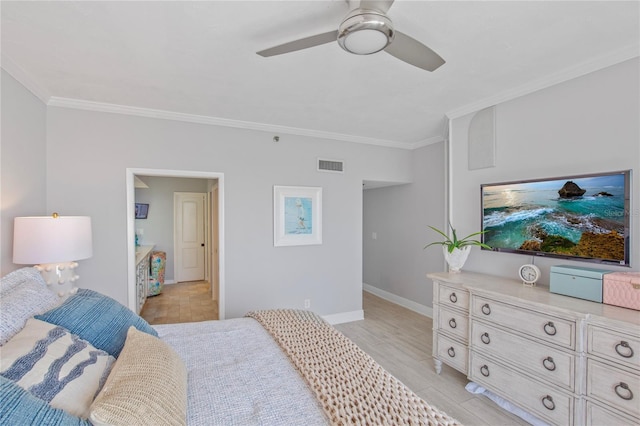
(485, 338)
(549, 363)
(484, 370)
(453, 298)
(627, 395)
(452, 323)
(486, 309)
(548, 403)
(625, 354)
(451, 352)
(550, 329)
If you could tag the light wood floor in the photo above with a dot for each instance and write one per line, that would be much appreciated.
(397, 338)
(181, 302)
(400, 340)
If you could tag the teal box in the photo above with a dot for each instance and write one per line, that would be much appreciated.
(575, 281)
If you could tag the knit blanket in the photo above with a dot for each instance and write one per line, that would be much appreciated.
(352, 388)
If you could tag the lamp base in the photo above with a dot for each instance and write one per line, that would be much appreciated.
(60, 277)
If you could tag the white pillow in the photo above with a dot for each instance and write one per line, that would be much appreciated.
(55, 366)
(23, 294)
(18, 277)
(146, 387)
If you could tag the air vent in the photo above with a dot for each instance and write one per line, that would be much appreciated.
(332, 166)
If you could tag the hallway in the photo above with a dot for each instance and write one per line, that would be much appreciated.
(181, 302)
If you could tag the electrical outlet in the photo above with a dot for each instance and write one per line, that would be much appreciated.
(307, 303)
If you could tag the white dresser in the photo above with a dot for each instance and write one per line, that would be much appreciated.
(143, 257)
(565, 360)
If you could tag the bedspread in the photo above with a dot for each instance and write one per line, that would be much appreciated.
(352, 387)
(237, 375)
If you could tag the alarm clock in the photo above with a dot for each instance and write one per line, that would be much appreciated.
(529, 274)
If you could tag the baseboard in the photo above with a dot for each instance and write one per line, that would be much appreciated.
(169, 282)
(393, 298)
(344, 317)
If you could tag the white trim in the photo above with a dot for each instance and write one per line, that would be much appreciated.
(584, 68)
(24, 78)
(406, 303)
(427, 141)
(131, 250)
(344, 317)
(215, 121)
(587, 67)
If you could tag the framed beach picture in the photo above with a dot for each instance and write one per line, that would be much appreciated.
(297, 215)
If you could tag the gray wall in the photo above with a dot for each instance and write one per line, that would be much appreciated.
(395, 261)
(23, 169)
(258, 275)
(158, 227)
(588, 124)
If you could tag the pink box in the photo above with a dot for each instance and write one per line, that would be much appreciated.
(622, 289)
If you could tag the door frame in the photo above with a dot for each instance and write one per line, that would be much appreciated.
(130, 220)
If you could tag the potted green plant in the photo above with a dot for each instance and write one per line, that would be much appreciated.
(456, 250)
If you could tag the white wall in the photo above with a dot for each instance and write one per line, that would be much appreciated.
(395, 261)
(158, 227)
(90, 151)
(23, 169)
(589, 124)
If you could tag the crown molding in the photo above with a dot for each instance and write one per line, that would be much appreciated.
(613, 58)
(215, 121)
(24, 78)
(426, 142)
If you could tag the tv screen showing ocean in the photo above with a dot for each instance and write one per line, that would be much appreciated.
(586, 222)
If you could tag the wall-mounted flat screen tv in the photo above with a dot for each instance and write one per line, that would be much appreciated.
(585, 217)
(142, 210)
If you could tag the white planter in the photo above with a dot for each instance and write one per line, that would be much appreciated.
(456, 258)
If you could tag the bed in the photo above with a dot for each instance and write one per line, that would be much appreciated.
(272, 367)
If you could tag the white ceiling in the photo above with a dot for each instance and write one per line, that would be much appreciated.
(196, 60)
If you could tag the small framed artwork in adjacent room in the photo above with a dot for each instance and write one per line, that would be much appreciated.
(297, 215)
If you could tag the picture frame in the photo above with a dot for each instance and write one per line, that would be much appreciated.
(297, 215)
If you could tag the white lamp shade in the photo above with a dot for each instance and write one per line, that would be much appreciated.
(47, 239)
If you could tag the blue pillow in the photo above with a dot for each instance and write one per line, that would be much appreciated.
(98, 319)
(19, 407)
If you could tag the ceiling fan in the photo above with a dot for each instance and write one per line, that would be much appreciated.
(366, 30)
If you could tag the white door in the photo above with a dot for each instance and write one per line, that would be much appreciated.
(189, 233)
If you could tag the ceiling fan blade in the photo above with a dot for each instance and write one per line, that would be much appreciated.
(303, 43)
(413, 52)
(381, 5)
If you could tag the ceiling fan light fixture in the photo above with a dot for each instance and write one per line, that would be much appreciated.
(365, 32)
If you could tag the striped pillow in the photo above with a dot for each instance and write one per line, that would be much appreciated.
(55, 366)
(19, 407)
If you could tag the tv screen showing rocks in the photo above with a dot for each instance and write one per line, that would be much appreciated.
(583, 217)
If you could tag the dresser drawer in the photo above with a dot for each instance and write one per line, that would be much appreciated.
(453, 353)
(542, 361)
(543, 401)
(613, 386)
(599, 416)
(454, 323)
(545, 327)
(619, 348)
(453, 297)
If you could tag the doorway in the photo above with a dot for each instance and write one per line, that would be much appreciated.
(215, 219)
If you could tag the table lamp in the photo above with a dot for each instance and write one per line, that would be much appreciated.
(53, 244)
